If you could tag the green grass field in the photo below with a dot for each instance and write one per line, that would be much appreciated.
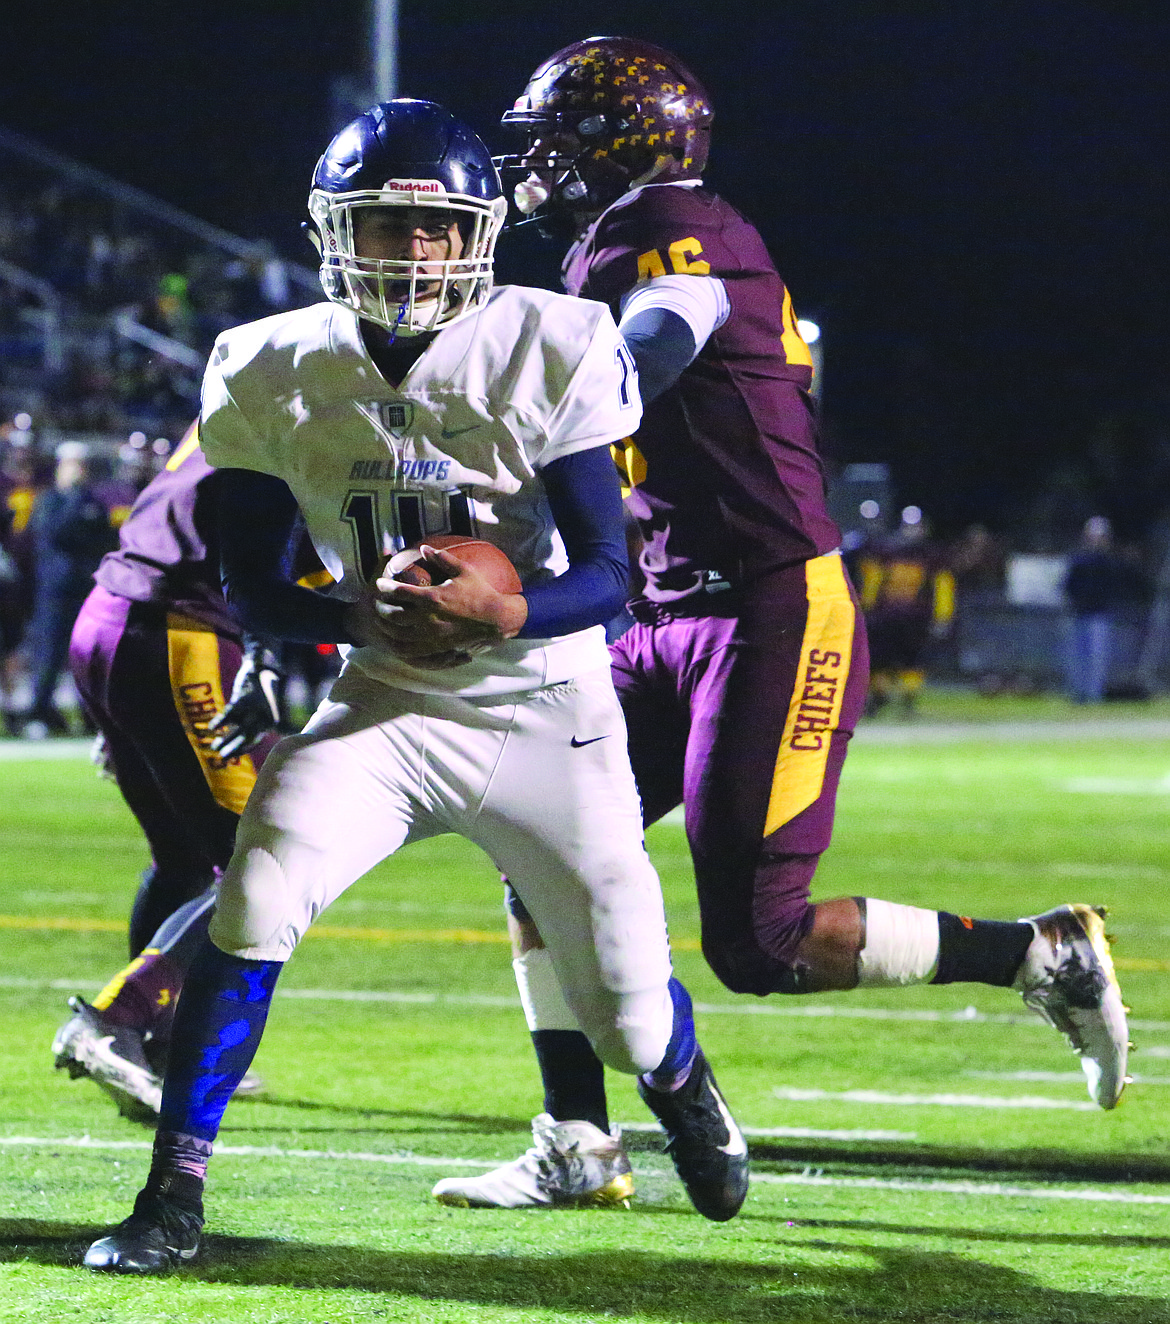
(923, 1156)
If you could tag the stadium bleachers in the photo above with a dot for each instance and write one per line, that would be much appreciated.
(110, 299)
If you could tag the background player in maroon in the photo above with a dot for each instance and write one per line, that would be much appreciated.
(746, 669)
(907, 591)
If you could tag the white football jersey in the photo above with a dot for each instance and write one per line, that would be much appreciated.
(456, 448)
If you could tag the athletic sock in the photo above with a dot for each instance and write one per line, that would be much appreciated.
(217, 1030)
(144, 993)
(574, 1079)
(674, 1069)
(980, 951)
(178, 1168)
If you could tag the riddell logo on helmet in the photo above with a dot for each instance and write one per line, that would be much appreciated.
(413, 186)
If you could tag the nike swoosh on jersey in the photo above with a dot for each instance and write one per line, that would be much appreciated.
(448, 433)
(580, 744)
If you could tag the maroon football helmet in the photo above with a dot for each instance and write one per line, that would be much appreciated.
(602, 116)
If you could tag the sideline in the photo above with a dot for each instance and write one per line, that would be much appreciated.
(43, 751)
(949, 733)
(912, 732)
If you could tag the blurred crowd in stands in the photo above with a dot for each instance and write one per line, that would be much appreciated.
(60, 512)
(61, 508)
(107, 314)
(927, 602)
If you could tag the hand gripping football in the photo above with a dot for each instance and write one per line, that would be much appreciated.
(410, 567)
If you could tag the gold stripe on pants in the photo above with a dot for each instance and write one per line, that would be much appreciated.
(193, 660)
(815, 709)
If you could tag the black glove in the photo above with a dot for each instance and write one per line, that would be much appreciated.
(256, 705)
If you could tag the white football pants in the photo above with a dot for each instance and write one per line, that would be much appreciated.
(540, 780)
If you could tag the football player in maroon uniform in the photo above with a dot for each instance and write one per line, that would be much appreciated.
(155, 652)
(746, 668)
(907, 592)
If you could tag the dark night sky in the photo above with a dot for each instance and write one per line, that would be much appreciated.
(970, 197)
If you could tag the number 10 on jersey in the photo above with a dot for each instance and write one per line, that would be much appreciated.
(414, 516)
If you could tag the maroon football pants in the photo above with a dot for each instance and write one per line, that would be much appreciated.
(151, 680)
(743, 714)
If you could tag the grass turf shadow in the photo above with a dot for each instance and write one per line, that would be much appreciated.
(957, 1161)
(1103, 1240)
(928, 1287)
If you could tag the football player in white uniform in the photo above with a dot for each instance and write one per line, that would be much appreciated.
(419, 400)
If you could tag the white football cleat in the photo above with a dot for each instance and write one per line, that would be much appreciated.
(1068, 978)
(113, 1056)
(570, 1164)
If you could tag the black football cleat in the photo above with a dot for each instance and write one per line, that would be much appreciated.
(157, 1237)
(702, 1138)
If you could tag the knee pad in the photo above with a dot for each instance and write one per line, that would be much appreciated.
(631, 1036)
(263, 911)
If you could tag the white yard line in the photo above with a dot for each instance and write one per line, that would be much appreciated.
(1058, 1076)
(796, 1094)
(1117, 786)
(810, 1177)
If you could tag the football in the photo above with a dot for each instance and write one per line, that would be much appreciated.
(409, 567)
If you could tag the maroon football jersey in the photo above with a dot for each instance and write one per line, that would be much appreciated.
(899, 580)
(726, 479)
(168, 552)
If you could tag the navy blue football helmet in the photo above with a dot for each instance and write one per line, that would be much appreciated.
(407, 154)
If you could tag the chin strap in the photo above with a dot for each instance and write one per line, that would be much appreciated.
(398, 322)
(661, 163)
